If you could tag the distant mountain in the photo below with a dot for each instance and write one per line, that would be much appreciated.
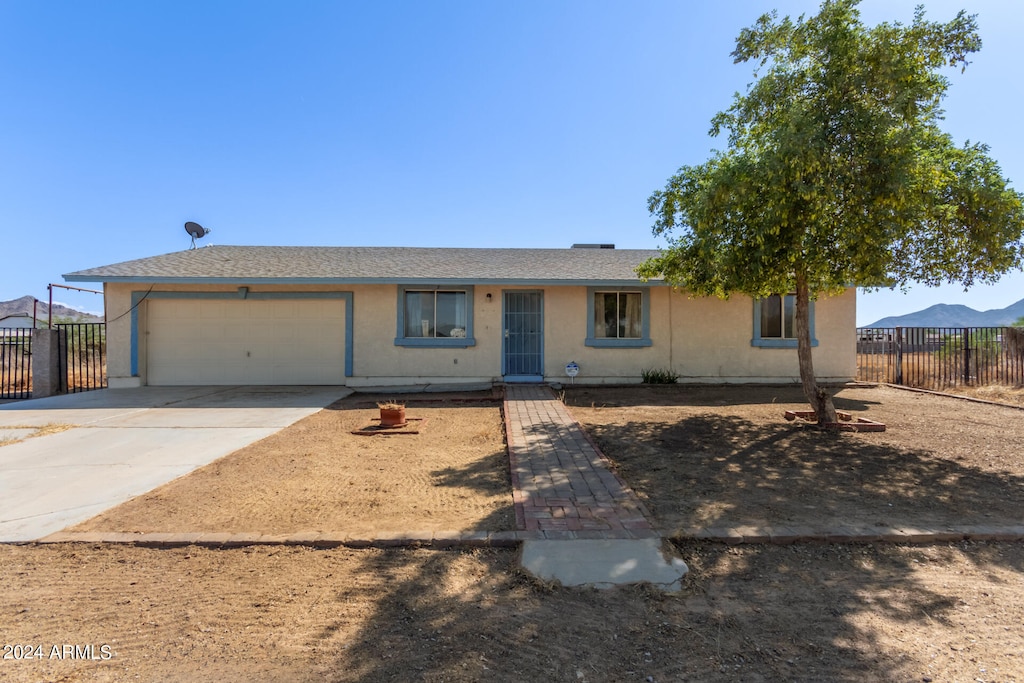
(946, 315)
(24, 306)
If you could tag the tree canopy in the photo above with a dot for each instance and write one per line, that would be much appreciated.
(837, 172)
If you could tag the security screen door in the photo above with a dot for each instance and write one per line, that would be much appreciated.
(523, 356)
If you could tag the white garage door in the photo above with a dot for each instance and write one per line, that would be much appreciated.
(226, 341)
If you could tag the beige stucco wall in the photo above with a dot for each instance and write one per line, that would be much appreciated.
(701, 339)
(378, 361)
(704, 339)
(117, 302)
(711, 340)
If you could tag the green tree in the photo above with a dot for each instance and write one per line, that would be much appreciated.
(837, 174)
(1019, 322)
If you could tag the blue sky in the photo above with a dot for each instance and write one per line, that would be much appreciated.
(478, 124)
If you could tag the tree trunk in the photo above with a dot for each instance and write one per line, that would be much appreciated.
(820, 399)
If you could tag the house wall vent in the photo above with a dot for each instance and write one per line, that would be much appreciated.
(593, 246)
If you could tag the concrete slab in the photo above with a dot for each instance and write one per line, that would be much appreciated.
(95, 406)
(132, 407)
(604, 563)
(130, 441)
(63, 488)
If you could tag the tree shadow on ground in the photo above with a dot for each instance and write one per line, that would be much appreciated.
(488, 475)
(750, 613)
(801, 612)
(721, 470)
(806, 612)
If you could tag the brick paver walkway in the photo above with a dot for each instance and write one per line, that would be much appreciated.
(561, 484)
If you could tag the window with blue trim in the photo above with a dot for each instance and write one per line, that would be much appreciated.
(435, 317)
(618, 317)
(778, 317)
(775, 322)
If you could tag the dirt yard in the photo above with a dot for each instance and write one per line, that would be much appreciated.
(806, 612)
(747, 613)
(723, 456)
(318, 476)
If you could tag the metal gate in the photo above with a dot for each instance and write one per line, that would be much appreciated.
(523, 349)
(83, 355)
(15, 362)
(941, 357)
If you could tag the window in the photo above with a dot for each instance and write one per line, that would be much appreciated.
(435, 317)
(775, 322)
(778, 319)
(618, 318)
(617, 315)
(435, 314)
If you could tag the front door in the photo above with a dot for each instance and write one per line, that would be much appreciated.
(523, 350)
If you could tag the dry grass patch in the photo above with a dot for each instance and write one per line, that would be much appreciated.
(52, 428)
(992, 392)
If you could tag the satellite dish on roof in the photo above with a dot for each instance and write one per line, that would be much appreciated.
(197, 231)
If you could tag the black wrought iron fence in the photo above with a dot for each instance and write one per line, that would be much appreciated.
(938, 357)
(15, 362)
(83, 355)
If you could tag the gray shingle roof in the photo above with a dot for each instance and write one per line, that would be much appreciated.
(375, 264)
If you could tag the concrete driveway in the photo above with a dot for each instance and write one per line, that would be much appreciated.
(126, 442)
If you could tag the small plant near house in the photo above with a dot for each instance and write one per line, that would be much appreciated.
(659, 376)
(390, 405)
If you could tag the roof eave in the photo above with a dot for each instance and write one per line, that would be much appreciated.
(74, 277)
